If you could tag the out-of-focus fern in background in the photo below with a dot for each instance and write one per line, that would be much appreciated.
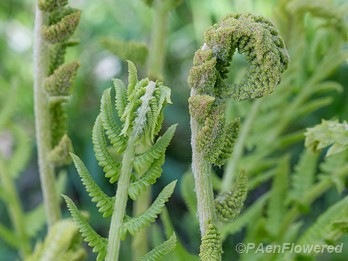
(290, 186)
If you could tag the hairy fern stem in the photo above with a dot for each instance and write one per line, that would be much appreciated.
(115, 232)
(42, 125)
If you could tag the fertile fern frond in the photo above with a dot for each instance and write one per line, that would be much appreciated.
(63, 29)
(211, 246)
(136, 224)
(110, 167)
(104, 202)
(229, 204)
(59, 156)
(143, 161)
(110, 124)
(93, 238)
(147, 179)
(158, 252)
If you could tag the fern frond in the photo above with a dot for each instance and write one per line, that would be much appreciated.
(90, 236)
(132, 78)
(229, 204)
(58, 122)
(120, 97)
(143, 161)
(63, 29)
(303, 176)
(59, 83)
(158, 252)
(127, 50)
(110, 167)
(50, 5)
(104, 202)
(147, 179)
(110, 124)
(211, 245)
(326, 228)
(138, 223)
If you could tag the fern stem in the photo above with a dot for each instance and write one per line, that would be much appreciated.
(232, 164)
(158, 42)
(121, 202)
(42, 125)
(203, 184)
(15, 210)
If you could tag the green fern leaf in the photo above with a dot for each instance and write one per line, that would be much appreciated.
(276, 208)
(326, 228)
(143, 161)
(132, 78)
(104, 202)
(110, 167)
(121, 96)
(110, 124)
(138, 223)
(303, 177)
(158, 252)
(147, 179)
(93, 238)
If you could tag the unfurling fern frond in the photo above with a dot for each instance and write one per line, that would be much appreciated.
(158, 252)
(140, 108)
(229, 204)
(211, 245)
(93, 238)
(104, 202)
(213, 137)
(136, 224)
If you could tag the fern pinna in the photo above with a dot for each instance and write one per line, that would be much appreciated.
(213, 136)
(140, 110)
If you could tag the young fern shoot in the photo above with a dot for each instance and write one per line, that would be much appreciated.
(140, 109)
(54, 25)
(213, 136)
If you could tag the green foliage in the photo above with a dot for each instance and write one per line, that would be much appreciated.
(139, 110)
(328, 133)
(127, 50)
(90, 236)
(135, 224)
(60, 244)
(161, 250)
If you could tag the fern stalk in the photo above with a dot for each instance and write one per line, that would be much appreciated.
(42, 125)
(15, 210)
(201, 170)
(115, 232)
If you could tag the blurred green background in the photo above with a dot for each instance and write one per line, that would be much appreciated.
(132, 20)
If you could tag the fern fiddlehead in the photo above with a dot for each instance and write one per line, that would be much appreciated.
(54, 25)
(139, 107)
(213, 136)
